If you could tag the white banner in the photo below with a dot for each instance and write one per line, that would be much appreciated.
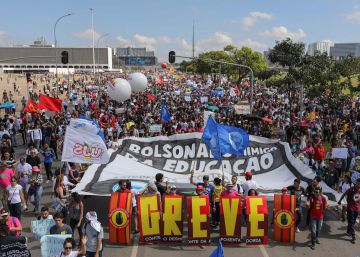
(82, 144)
(140, 159)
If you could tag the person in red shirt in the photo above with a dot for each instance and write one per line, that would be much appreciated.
(317, 204)
(319, 151)
(353, 208)
(229, 192)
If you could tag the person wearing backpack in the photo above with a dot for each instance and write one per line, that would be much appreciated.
(317, 204)
(353, 208)
(94, 232)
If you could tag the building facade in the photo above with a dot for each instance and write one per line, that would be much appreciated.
(343, 50)
(130, 56)
(320, 46)
(46, 58)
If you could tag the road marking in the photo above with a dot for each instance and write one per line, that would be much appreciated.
(263, 251)
(135, 247)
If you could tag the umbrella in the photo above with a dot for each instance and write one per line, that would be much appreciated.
(213, 108)
(252, 117)
(266, 119)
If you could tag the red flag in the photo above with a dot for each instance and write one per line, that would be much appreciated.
(49, 103)
(237, 90)
(31, 107)
(151, 97)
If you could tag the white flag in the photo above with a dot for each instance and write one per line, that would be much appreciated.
(82, 144)
(232, 92)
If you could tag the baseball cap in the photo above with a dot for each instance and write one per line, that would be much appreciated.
(199, 187)
(4, 213)
(173, 187)
(205, 177)
(248, 174)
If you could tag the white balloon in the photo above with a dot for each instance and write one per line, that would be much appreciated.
(119, 90)
(138, 82)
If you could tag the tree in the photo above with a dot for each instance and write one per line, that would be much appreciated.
(246, 56)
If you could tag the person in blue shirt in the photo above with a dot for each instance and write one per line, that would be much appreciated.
(208, 188)
(48, 160)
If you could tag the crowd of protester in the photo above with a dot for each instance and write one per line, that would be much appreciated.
(311, 134)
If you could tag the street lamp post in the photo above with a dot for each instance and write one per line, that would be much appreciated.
(93, 38)
(98, 52)
(55, 41)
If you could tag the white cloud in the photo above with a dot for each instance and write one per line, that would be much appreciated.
(217, 41)
(87, 34)
(282, 32)
(253, 44)
(123, 41)
(354, 15)
(254, 17)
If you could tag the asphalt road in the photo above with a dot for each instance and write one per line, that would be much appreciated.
(333, 241)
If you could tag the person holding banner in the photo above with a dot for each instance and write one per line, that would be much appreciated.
(70, 244)
(298, 191)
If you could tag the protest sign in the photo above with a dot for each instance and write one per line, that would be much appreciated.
(204, 100)
(242, 108)
(120, 209)
(284, 218)
(149, 218)
(257, 226)
(172, 219)
(41, 227)
(155, 128)
(52, 245)
(198, 212)
(340, 153)
(187, 98)
(230, 220)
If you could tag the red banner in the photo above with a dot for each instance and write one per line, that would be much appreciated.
(257, 225)
(284, 218)
(172, 219)
(198, 216)
(120, 210)
(149, 218)
(230, 220)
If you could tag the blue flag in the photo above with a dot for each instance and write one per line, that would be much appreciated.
(232, 140)
(100, 133)
(218, 252)
(165, 115)
(210, 137)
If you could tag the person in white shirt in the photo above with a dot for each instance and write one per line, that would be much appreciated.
(15, 197)
(24, 171)
(69, 245)
(36, 136)
(249, 183)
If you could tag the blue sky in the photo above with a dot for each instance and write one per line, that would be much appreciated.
(163, 25)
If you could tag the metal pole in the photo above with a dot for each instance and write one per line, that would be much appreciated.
(98, 54)
(93, 38)
(55, 41)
